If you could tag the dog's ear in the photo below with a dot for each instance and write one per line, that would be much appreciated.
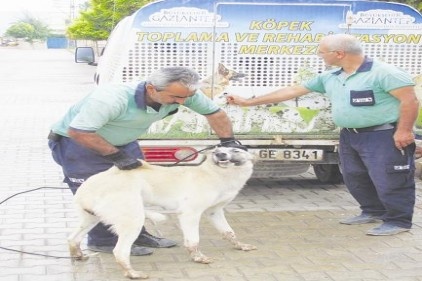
(253, 158)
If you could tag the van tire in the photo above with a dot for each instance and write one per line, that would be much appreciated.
(328, 173)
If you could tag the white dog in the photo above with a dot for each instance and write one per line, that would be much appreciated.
(118, 197)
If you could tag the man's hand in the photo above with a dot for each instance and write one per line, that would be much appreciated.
(232, 142)
(123, 161)
(233, 99)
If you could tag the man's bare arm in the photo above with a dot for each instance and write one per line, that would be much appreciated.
(92, 141)
(221, 124)
(409, 109)
(272, 97)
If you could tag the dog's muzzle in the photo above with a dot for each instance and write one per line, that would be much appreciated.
(226, 156)
(222, 159)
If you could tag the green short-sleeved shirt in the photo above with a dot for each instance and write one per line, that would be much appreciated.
(118, 112)
(362, 99)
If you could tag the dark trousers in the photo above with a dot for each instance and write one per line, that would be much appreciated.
(78, 164)
(378, 175)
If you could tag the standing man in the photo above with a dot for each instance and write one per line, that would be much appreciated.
(102, 130)
(376, 105)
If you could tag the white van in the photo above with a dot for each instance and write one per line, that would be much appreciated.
(250, 48)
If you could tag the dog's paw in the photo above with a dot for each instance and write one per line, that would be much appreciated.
(202, 259)
(76, 253)
(80, 258)
(237, 244)
(133, 274)
(199, 257)
(245, 247)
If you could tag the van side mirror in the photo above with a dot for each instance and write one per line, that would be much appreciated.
(84, 55)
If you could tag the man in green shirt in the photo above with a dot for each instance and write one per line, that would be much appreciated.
(376, 105)
(102, 130)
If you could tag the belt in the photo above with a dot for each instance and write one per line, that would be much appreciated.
(54, 137)
(382, 127)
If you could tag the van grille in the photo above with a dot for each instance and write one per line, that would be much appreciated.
(144, 58)
(261, 71)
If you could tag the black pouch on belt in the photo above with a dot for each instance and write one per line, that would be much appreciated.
(54, 137)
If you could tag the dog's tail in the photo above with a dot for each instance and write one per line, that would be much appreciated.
(145, 164)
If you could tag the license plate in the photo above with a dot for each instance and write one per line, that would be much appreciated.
(290, 154)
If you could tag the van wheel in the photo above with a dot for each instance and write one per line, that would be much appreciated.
(328, 173)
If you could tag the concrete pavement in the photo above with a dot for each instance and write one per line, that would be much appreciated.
(293, 222)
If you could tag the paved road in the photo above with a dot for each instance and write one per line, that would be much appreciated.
(294, 222)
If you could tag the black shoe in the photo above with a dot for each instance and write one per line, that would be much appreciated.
(147, 240)
(386, 229)
(361, 219)
(135, 250)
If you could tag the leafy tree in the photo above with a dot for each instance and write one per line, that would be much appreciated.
(29, 28)
(41, 30)
(99, 19)
(20, 30)
(417, 4)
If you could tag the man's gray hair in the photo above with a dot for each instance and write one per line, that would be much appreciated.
(343, 42)
(165, 76)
